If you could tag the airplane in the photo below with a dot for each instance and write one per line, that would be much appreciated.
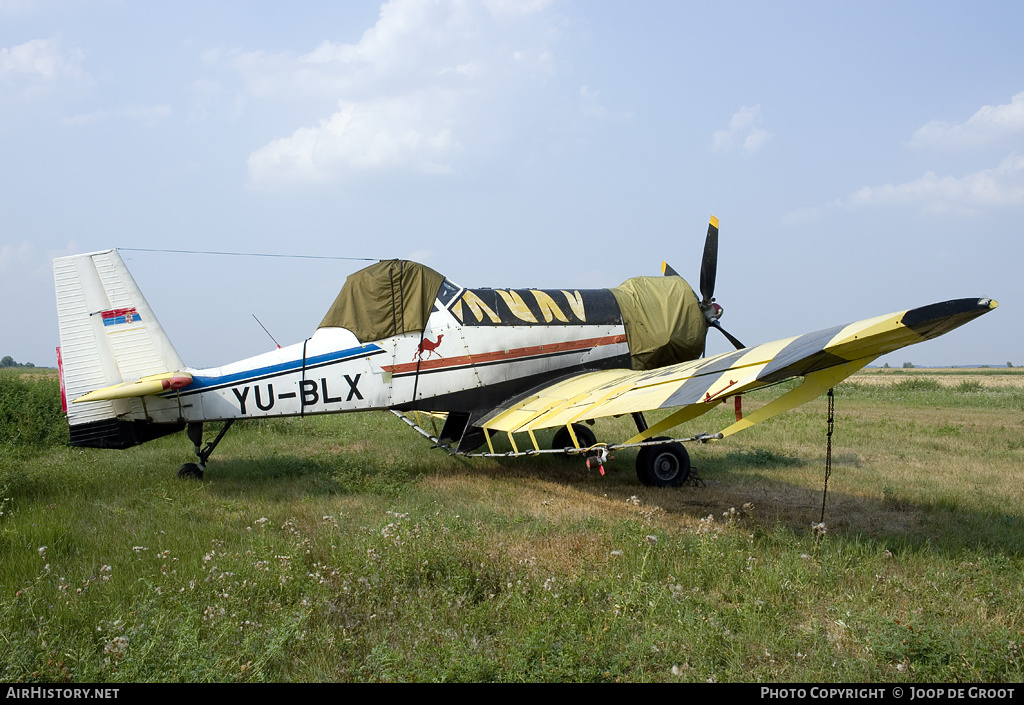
(475, 362)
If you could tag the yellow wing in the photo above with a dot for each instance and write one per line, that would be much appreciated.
(823, 359)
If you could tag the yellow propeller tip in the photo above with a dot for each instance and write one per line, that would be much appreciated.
(714, 221)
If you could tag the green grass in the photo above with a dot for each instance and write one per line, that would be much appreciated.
(30, 410)
(343, 549)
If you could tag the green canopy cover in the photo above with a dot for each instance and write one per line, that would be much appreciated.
(385, 299)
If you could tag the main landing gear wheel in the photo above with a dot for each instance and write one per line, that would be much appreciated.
(583, 433)
(665, 465)
(190, 470)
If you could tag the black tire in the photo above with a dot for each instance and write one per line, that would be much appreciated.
(665, 465)
(190, 471)
(583, 433)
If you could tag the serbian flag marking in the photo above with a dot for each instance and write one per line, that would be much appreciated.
(120, 315)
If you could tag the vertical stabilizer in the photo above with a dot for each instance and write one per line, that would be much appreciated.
(108, 335)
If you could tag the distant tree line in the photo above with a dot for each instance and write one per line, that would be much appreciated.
(910, 365)
(8, 361)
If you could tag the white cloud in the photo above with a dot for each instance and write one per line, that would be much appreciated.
(1000, 186)
(429, 76)
(745, 132)
(515, 7)
(989, 124)
(409, 131)
(32, 68)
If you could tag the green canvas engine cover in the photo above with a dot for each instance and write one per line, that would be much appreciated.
(663, 320)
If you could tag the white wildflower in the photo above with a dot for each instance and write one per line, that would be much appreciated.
(115, 649)
(706, 525)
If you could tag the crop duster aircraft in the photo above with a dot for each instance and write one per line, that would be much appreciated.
(478, 362)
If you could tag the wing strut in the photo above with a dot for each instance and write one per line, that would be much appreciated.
(814, 385)
(679, 416)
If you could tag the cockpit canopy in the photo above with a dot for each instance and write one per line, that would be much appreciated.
(385, 299)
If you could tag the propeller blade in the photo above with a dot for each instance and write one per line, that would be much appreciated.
(709, 264)
(734, 341)
(667, 270)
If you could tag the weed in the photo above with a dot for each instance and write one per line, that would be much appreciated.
(917, 384)
(30, 412)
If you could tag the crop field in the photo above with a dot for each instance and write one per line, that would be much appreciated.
(344, 548)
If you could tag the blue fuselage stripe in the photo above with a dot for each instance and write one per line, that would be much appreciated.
(205, 384)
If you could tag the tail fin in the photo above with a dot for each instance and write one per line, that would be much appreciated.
(108, 335)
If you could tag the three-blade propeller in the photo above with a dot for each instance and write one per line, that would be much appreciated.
(708, 272)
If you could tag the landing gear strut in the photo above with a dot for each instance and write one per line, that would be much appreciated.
(195, 434)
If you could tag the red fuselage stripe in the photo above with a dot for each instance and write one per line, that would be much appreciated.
(503, 355)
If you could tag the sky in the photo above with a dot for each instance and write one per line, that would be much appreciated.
(862, 157)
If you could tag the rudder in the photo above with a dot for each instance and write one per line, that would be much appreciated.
(108, 335)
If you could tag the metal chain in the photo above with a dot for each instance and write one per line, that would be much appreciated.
(828, 449)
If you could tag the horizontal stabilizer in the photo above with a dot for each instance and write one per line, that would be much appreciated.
(153, 384)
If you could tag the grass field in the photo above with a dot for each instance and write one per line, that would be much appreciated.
(343, 549)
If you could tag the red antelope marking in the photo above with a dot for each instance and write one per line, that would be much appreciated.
(429, 347)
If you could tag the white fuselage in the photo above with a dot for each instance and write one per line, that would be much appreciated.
(333, 372)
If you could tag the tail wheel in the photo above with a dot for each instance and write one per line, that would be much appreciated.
(665, 465)
(190, 470)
